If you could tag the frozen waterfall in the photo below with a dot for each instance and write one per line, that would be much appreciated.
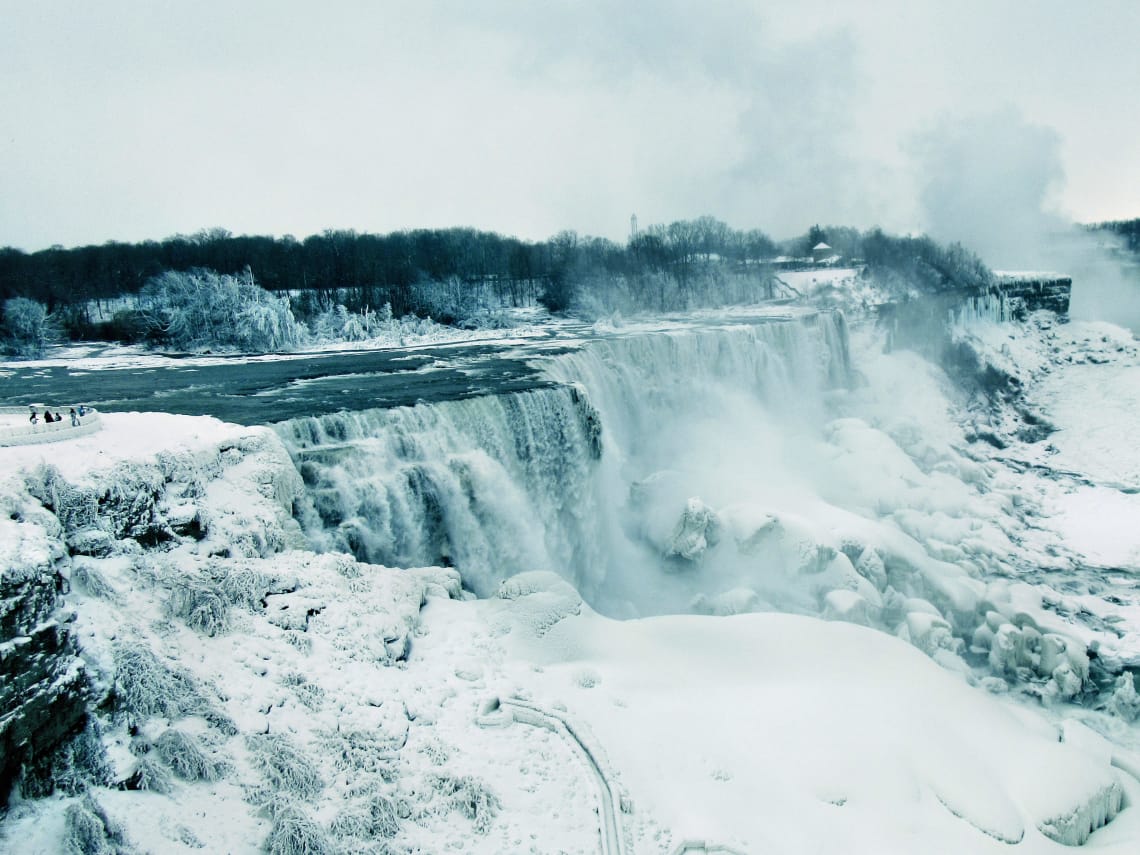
(542, 479)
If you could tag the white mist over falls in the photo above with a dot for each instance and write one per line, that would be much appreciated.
(668, 585)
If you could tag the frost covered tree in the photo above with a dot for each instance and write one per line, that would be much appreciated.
(341, 324)
(201, 309)
(28, 328)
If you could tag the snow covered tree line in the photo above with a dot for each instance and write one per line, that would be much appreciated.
(202, 309)
(685, 265)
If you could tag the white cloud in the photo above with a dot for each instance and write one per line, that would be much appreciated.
(136, 121)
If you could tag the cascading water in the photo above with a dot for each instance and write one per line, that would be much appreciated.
(493, 485)
(543, 479)
(715, 414)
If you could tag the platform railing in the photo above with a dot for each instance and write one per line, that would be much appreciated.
(28, 433)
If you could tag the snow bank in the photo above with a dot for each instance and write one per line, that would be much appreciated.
(775, 731)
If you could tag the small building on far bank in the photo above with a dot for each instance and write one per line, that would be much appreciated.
(822, 252)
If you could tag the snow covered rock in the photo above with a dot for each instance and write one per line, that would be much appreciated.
(1125, 701)
(696, 531)
(847, 606)
(733, 602)
(539, 600)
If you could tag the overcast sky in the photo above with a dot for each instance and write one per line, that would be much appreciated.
(133, 120)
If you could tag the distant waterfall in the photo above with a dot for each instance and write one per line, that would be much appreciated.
(504, 483)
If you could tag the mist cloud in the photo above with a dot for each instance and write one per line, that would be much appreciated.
(776, 149)
(991, 181)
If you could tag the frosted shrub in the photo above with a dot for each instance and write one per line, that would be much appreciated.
(384, 821)
(283, 766)
(89, 831)
(27, 327)
(71, 769)
(436, 752)
(130, 500)
(377, 818)
(146, 687)
(245, 587)
(294, 832)
(184, 468)
(185, 755)
(309, 694)
(362, 751)
(471, 797)
(299, 640)
(200, 606)
(151, 776)
(75, 508)
(339, 324)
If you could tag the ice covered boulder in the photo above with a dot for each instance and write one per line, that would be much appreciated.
(696, 531)
(1074, 826)
(1125, 701)
(1024, 653)
(930, 633)
(870, 566)
(734, 602)
(539, 599)
(754, 530)
(654, 487)
(847, 606)
(90, 541)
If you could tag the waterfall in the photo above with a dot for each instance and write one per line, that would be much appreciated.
(539, 479)
(493, 485)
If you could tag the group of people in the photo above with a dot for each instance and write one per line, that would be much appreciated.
(49, 418)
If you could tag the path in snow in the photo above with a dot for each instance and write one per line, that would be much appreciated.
(500, 712)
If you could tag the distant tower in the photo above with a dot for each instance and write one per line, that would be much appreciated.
(633, 226)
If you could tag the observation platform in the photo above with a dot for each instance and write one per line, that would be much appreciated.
(17, 429)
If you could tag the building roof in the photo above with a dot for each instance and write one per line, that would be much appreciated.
(821, 245)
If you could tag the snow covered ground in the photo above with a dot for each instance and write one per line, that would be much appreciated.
(262, 696)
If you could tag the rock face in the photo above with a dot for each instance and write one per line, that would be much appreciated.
(47, 523)
(923, 323)
(43, 686)
(1028, 293)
